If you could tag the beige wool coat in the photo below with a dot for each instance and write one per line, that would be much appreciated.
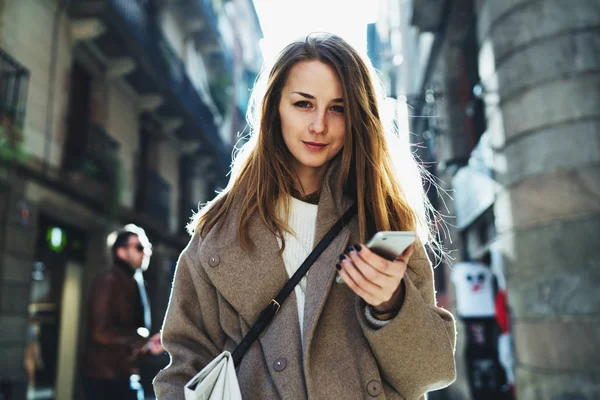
(219, 290)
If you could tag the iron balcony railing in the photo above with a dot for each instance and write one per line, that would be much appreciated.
(14, 82)
(98, 159)
(167, 64)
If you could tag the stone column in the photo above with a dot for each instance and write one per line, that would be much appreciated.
(540, 69)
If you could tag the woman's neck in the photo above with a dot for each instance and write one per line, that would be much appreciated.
(311, 179)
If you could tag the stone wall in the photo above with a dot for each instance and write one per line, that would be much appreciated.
(16, 262)
(540, 66)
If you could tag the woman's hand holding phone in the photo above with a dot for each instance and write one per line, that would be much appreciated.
(375, 279)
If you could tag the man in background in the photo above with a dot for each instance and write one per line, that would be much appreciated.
(119, 322)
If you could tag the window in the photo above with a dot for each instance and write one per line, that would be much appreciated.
(14, 81)
(79, 115)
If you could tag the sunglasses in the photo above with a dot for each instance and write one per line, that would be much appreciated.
(138, 246)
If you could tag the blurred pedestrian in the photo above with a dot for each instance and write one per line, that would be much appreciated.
(119, 322)
(318, 146)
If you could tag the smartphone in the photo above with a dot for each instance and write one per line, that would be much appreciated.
(388, 244)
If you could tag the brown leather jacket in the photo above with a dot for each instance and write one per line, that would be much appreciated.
(115, 312)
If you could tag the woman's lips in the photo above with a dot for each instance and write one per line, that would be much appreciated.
(314, 146)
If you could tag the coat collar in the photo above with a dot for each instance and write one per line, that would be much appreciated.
(248, 280)
(321, 275)
(125, 267)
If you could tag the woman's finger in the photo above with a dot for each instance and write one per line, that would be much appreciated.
(383, 266)
(366, 296)
(357, 276)
(377, 262)
(367, 271)
(366, 285)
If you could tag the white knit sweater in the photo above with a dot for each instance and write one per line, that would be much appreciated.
(302, 221)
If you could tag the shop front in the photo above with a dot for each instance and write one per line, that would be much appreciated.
(479, 282)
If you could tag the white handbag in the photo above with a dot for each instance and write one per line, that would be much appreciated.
(218, 380)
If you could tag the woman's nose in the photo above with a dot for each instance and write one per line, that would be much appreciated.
(318, 125)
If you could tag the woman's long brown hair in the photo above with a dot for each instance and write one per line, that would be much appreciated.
(262, 172)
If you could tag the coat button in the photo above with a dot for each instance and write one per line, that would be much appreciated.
(213, 261)
(374, 388)
(280, 364)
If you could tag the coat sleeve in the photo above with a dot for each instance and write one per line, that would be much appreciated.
(191, 332)
(415, 351)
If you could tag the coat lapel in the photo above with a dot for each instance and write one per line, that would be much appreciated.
(248, 280)
(322, 274)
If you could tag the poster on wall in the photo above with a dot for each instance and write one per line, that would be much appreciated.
(474, 290)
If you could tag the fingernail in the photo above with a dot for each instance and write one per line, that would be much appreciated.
(358, 247)
(350, 248)
(338, 266)
(342, 257)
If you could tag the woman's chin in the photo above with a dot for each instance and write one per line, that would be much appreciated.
(313, 164)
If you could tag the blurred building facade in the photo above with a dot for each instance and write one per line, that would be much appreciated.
(504, 103)
(113, 112)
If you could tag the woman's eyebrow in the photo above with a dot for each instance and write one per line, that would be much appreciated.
(310, 96)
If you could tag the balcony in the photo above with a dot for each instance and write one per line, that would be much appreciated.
(130, 42)
(212, 33)
(14, 81)
(93, 169)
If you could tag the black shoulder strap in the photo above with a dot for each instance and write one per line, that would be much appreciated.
(268, 313)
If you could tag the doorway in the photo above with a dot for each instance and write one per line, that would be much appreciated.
(54, 310)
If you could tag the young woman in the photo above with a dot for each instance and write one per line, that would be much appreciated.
(318, 146)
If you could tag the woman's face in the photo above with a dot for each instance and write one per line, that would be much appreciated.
(312, 117)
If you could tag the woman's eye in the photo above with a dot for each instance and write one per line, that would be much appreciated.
(302, 104)
(338, 109)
